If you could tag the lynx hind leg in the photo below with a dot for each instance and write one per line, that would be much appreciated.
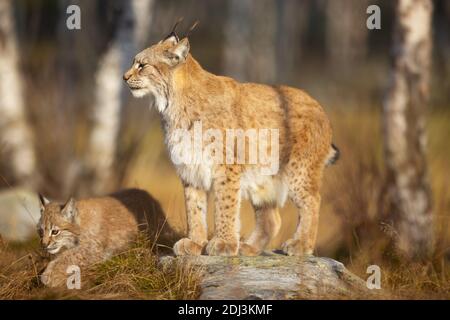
(267, 225)
(304, 184)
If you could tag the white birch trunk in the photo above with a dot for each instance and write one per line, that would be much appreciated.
(15, 133)
(408, 189)
(132, 30)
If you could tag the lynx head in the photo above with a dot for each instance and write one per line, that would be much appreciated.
(152, 68)
(58, 227)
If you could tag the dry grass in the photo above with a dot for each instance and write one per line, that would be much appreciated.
(408, 280)
(354, 192)
(133, 274)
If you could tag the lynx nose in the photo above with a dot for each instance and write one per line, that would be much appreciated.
(126, 76)
(45, 243)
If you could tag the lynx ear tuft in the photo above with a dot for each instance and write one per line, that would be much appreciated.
(69, 210)
(172, 37)
(43, 200)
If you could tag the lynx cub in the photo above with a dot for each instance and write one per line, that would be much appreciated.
(83, 232)
(185, 94)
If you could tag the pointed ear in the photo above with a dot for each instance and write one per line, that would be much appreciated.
(172, 39)
(178, 53)
(69, 210)
(43, 200)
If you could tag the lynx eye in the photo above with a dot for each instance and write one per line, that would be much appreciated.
(40, 232)
(55, 232)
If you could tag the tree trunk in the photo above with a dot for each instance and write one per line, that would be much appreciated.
(250, 41)
(15, 132)
(131, 31)
(263, 63)
(292, 23)
(408, 190)
(346, 32)
(237, 34)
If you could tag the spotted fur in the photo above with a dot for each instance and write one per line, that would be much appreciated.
(84, 232)
(185, 93)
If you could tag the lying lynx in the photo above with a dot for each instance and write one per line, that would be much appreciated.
(184, 94)
(88, 231)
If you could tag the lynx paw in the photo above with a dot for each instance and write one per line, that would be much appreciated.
(248, 250)
(187, 247)
(293, 247)
(52, 278)
(220, 247)
(45, 279)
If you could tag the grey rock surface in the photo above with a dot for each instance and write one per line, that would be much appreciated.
(19, 213)
(273, 277)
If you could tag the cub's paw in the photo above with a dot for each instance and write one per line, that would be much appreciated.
(220, 247)
(187, 247)
(51, 278)
(293, 247)
(248, 250)
(45, 279)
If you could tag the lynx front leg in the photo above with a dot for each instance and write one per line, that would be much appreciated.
(52, 276)
(196, 206)
(55, 274)
(227, 204)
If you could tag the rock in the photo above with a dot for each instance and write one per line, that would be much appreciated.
(273, 277)
(19, 213)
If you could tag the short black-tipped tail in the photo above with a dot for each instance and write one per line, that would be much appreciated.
(334, 155)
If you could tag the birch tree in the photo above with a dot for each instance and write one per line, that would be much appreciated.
(131, 32)
(15, 132)
(408, 189)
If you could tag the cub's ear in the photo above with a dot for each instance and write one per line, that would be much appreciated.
(178, 53)
(43, 200)
(69, 210)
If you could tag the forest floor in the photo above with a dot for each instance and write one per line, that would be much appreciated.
(136, 274)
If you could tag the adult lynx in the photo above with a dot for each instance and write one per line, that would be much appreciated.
(185, 94)
(87, 231)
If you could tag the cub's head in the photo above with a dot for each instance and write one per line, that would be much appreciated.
(152, 68)
(58, 227)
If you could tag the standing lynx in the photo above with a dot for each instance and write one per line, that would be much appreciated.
(185, 94)
(88, 231)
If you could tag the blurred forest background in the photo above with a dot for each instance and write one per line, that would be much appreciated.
(70, 95)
